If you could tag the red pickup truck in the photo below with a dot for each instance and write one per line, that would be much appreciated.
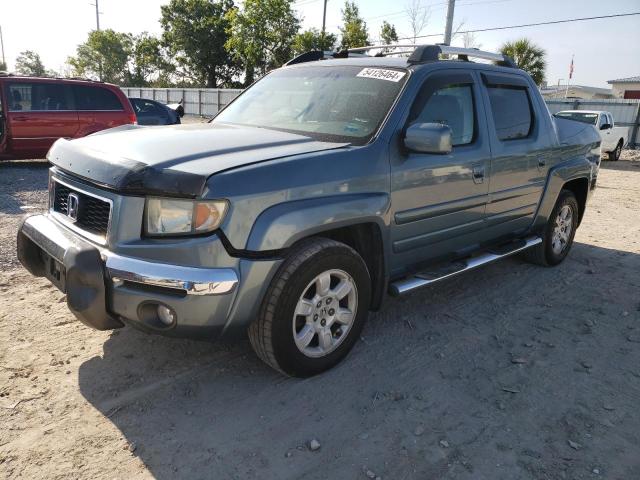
(35, 112)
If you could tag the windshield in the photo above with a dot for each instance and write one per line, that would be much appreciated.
(590, 118)
(340, 104)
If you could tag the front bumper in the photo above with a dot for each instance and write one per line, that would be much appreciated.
(105, 290)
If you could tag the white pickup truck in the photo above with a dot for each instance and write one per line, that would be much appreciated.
(613, 138)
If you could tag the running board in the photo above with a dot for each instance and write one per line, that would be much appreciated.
(422, 279)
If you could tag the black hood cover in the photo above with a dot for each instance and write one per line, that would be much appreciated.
(175, 160)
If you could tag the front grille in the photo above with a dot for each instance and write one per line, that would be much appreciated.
(93, 213)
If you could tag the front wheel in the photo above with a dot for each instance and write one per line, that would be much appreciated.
(558, 234)
(314, 309)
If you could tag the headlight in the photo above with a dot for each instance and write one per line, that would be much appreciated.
(166, 216)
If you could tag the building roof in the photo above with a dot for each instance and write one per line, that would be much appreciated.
(626, 80)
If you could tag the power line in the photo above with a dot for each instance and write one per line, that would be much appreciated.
(553, 22)
(433, 5)
(429, 7)
(303, 3)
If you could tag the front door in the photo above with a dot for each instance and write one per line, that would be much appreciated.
(605, 126)
(439, 200)
(38, 113)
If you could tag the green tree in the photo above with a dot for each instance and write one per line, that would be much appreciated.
(354, 31)
(312, 40)
(388, 33)
(148, 62)
(195, 34)
(528, 56)
(3, 66)
(262, 35)
(105, 55)
(29, 63)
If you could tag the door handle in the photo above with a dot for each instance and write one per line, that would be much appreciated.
(20, 119)
(541, 162)
(478, 174)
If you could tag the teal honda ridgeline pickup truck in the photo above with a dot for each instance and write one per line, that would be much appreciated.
(328, 183)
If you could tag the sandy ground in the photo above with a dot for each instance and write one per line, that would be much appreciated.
(511, 372)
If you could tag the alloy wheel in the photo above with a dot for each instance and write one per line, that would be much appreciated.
(325, 313)
(562, 230)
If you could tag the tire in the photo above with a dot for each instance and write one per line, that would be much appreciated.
(614, 155)
(547, 253)
(295, 306)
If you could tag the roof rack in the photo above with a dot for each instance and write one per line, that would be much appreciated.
(417, 54)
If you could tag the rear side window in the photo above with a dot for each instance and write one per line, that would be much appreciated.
(512, 112)
(95, 98)
(28, 97)
(145, 107)
(450, 105)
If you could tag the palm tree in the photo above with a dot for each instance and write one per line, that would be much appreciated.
(528, 56)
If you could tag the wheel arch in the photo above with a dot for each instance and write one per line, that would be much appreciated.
(574, 175)
(357, 220)
(580, 188)
(366, 239)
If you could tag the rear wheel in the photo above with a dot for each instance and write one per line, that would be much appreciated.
(558, 234)
(615, 154)
(314, 309)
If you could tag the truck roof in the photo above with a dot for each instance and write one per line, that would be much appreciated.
(364, 61)
(400, 63)
(387, 56)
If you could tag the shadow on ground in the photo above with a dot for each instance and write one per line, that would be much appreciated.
(507, 372)
(621, 165)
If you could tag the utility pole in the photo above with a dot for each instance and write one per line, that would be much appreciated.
(4, 62)
(324, 22)
(449, 26)
(97, 14)
(98, 29)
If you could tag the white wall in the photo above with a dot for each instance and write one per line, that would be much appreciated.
(619, 88)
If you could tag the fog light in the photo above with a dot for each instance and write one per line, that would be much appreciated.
(166, 315)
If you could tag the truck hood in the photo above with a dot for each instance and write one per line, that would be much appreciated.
(174, 160)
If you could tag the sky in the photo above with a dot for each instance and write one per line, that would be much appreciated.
(604, 49)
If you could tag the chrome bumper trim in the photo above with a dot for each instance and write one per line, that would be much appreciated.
(55, 239)
(195, 281)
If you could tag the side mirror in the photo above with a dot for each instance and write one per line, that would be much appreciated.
(428, 138)
(606, 126)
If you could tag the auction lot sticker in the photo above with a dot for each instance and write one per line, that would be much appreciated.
(381, 74)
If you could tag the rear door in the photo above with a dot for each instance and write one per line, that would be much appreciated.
(38, 113)
(521, 152)
(439, 200)
(98, 108)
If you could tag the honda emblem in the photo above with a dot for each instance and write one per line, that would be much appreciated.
(73, 203)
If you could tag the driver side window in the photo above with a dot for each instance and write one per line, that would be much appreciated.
(603, 120)
(450, 105)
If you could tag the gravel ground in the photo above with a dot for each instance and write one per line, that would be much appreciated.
(510, 372)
